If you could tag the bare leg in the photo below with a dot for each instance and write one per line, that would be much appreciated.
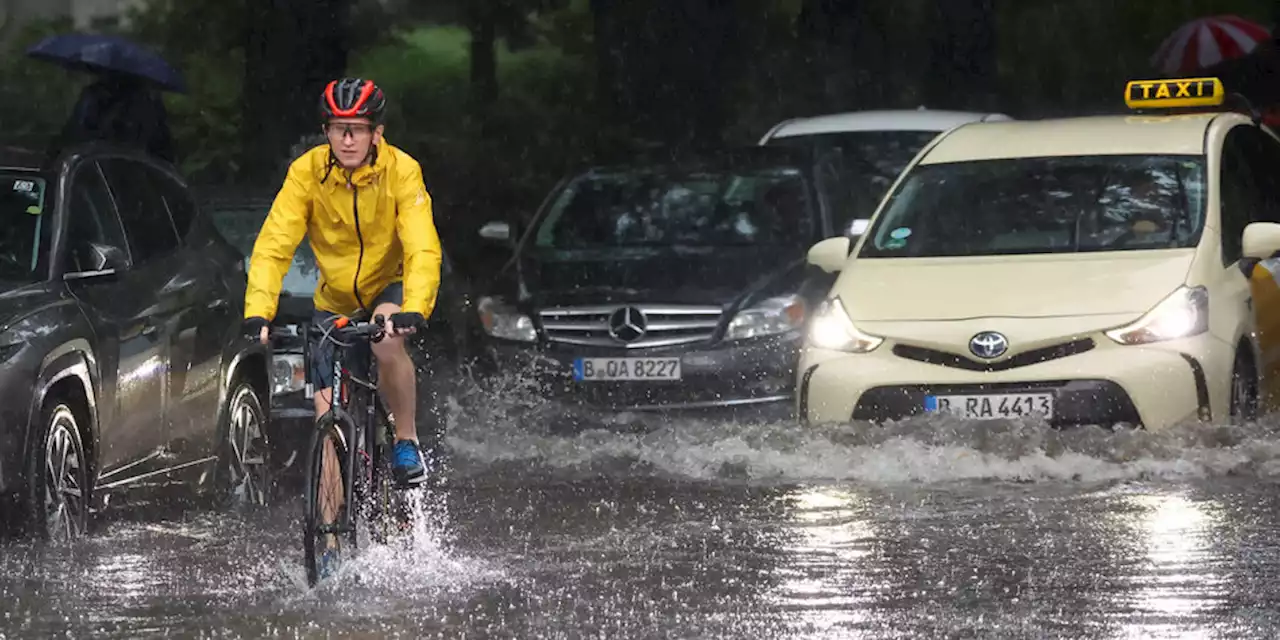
(397, 381)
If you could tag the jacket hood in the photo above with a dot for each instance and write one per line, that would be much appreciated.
(1128, 282)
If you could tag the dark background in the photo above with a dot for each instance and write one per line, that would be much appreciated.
(500, 98)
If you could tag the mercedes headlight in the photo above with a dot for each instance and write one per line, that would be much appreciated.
(1183, 314)
(769, 317)
(501, 320)
(831, 328)
(288, 373)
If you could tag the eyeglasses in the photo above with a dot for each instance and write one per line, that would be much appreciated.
(341, 131)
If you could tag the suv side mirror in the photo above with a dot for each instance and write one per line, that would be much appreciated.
(830, 254)
(496, 231)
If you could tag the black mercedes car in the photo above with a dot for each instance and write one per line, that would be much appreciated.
(122, 365)
(673, 286)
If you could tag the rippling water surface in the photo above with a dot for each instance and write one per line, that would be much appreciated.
(927, 528)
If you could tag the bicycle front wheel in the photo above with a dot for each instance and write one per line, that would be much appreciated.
(328, 529)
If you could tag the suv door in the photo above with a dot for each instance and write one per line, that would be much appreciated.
(209, 314)
(158, 265)
(99, 272)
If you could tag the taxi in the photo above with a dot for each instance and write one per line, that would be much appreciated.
(1115, 270)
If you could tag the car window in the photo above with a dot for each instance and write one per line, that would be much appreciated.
(142, 210)
(1262, 153)
(657, 208)
(92, 226)
(177, 200)
(22, 223)
(870, 161)
(1043, 205)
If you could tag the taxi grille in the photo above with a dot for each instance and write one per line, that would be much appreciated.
(956, 361)
(665, 325)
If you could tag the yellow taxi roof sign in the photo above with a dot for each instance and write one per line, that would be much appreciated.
(1174, 92)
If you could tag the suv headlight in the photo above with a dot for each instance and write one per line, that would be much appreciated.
(1183, 314)
(768, 317)
(501, 320)
(832, 329)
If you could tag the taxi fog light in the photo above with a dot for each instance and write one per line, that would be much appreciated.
(500, 320)
(288, 373)
(770, 317)
(831, 328)
(1183, 314)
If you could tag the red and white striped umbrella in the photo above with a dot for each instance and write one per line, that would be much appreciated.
(1207, 41)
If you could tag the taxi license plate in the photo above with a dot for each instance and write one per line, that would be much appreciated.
(595, 369)
(992, 406)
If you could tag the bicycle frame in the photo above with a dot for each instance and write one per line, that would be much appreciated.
(359, 437)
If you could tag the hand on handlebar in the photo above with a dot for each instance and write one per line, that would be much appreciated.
(404, 323)
(256, 327)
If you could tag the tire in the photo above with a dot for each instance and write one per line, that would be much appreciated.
(244, 474)
(318, 500)
(1244, 391)
(59, 489)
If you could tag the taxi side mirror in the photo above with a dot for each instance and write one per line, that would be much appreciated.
(830, 254)
(1261, 240)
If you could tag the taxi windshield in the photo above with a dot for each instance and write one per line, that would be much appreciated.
(1043, 205)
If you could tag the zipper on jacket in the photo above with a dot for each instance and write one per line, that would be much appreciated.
(355, 209)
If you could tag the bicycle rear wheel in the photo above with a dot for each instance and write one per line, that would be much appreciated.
(328, 529)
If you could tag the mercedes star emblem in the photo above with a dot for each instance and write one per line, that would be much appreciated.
(988, 344)
(627, 324)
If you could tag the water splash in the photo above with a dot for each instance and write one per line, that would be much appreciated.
(501, 426)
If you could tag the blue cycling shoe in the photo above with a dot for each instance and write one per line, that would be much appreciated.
(410, 469)
(327, 563)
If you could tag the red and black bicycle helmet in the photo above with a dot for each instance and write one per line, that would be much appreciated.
(353, 98)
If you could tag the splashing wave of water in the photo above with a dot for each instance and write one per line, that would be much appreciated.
(919, 450)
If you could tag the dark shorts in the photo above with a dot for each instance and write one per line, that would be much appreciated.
(358, 355)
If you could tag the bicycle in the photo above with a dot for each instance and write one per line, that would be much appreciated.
(356, 416)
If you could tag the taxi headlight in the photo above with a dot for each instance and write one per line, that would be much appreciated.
(288, 373)
(767, 318)
(832, 329)
(501, 320)
(1183, 314)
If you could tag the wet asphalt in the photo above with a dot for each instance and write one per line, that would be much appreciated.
(925, 529)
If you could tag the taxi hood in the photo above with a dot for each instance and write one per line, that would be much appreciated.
(1037, 286)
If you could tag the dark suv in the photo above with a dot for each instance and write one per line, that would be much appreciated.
(662, 287)
(120, 360)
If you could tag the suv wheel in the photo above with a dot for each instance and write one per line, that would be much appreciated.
(244, 469)
(58, 490)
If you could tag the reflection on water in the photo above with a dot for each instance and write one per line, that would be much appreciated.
(825, 583)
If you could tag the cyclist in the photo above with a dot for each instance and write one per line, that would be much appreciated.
(366, 211)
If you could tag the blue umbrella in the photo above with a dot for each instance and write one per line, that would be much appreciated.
(98, 53)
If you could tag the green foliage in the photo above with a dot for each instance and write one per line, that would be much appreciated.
(205, 121)
(36, 97)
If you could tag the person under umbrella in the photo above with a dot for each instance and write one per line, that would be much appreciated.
(123, 110)
(123, 105)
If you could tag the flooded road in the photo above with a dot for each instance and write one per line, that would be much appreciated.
(923, 529)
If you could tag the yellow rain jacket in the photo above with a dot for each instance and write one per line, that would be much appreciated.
(368, 230)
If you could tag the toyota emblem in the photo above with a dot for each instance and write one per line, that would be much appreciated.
(988, 344)
(627, 324)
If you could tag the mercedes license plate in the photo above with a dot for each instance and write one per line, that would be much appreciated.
(593, 369)
(992, 406)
